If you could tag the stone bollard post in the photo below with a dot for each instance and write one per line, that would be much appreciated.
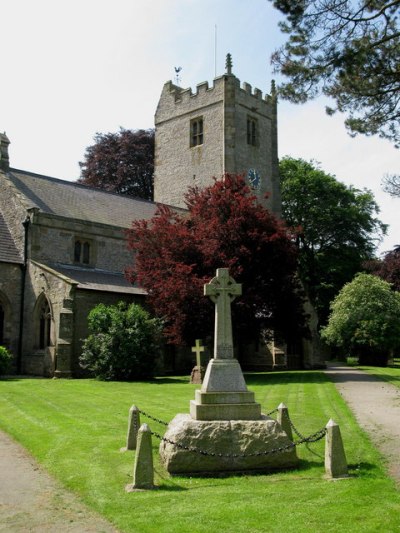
(284, 420)
(143, 472)
(335, 458)
(133, 428)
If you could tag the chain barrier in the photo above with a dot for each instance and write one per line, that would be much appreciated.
(153, 418)
(295, 430)
(314, 437)
(318, 435)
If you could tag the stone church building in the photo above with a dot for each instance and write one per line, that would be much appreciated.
(63, 246)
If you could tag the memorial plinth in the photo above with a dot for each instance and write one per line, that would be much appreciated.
(224, 394)
(225, 425)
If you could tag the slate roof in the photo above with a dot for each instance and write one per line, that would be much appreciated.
(72, 200)
(8, 250)
(97, 280)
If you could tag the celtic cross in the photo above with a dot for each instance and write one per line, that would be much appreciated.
(222, 290)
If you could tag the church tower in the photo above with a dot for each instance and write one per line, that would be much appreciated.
(218, 129)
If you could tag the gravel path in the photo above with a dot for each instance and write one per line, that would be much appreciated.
(376, 406)
(32, 501)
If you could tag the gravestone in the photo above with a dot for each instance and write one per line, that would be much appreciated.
(197, 374)
(225, 430)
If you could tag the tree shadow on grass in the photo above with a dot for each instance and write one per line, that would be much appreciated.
(166, 380)
(280, 378)
(20, 377)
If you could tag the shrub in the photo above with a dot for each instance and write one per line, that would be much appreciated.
(365, 320)
(123, 342)
(5, 360)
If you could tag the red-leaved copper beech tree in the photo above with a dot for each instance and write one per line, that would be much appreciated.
(225, 226)
(121, 162)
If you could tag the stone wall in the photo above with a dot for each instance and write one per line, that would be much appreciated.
(263, 156)
(52, 240)
(224, 108)
(43, 283)
(177, 164)
(10, 299)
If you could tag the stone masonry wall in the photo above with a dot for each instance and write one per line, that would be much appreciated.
(224, 108)
(249, 104)
(52, 240)
(177, 164)
(59, 292)
(10, 299)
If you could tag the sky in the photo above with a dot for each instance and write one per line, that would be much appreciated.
(72, 68)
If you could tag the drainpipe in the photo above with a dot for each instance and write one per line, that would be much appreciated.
(26, 224)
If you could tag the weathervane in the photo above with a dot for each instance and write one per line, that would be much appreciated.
(177, 77)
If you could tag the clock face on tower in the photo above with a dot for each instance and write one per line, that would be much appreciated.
(254, 178)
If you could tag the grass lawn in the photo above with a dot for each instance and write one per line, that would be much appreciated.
(388, 373)
(75, 428)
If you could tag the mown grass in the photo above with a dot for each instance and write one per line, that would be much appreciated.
(75, 428)
(390, 373)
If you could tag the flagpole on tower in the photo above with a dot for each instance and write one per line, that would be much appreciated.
(215, 51)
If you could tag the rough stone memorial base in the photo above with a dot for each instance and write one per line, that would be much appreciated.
(225, 437)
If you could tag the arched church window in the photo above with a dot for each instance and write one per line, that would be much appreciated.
(1, 324)
(44, 325)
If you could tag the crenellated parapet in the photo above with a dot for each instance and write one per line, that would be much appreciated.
(186, 99)
(218, 128)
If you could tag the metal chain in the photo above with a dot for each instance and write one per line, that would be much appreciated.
(314, 437)
(296, 431)
(153, 418)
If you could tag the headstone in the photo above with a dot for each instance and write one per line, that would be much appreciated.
(198, 371)
(143, 470)
(335, 457)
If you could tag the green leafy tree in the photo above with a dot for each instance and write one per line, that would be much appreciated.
(364, 320)
(123, 343)
(348, 50)
(121, 162)
(337, 228)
